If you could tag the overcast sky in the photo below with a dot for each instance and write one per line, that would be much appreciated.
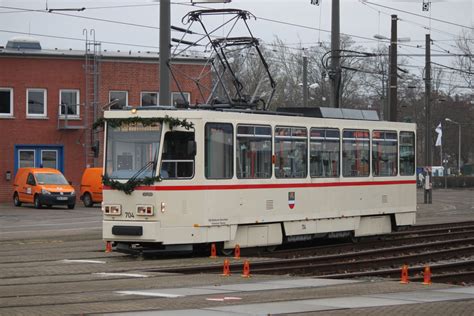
(360, 19)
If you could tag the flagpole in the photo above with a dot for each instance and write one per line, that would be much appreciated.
(441, 149)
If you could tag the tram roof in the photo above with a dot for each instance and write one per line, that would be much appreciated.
(290, 112)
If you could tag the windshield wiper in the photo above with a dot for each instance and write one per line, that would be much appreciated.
(142, 169)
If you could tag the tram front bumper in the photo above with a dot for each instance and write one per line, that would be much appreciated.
(131, 231)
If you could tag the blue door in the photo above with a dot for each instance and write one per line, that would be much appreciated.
(39, 156)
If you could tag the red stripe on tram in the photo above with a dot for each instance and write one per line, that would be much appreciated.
(266, 186)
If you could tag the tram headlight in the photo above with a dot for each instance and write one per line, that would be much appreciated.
(145, 210)
(112, 209)
(163, 207)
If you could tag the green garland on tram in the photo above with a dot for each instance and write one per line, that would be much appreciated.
(145, 121)
(129, 186)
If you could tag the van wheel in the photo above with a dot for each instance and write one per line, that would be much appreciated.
(71, 206)
(37, 202)
(16, 200)
(87, 199)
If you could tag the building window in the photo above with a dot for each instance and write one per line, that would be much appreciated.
(384, 153)
(26, 158)
(69, 101)
(177, 98)
(36, 102)
(291, 152)
(355, 153)
(149, 99)
(219, 151)
(407, 153)
(121, 98)
(49, 159)
(324, 152)
(6, 102)
(254, 151)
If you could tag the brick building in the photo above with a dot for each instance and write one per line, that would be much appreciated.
(49, 100)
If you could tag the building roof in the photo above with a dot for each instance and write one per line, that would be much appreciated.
(150, 56)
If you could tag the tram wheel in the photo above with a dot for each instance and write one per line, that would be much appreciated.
(353, 239)
(271, 248)
(227, 252)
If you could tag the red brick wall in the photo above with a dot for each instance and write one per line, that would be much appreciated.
(53, 74)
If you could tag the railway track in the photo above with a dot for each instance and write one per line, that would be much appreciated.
(62, 275)
(449, 249)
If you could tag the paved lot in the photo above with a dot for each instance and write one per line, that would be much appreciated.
(448, 206)
(52, 261)
(28, 222)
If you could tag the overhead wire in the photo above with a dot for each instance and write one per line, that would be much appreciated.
(157, 28)
(454, 69)
(73, 38)
(419, 15)
(84, 17)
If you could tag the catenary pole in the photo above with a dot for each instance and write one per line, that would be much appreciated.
(305, 81)
(428, 140)
(165, 45)
(335, 55)
(393, 72)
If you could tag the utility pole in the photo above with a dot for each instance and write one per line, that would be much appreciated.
(335, 55)
(165, 47)
(305, 81)
(392, 105)
(385, 91)
(428, 154)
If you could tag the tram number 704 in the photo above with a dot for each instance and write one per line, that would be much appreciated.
(129, 215)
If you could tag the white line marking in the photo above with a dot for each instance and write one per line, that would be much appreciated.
(50, 230)
(149, 294)
(132, 275)
(81, 261)
(59, 224)
(222, 299)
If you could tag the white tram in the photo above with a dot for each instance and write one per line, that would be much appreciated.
(253, 179)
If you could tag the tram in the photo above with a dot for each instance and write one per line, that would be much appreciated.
(181, 179)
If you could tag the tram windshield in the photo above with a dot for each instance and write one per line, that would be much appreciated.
(132, 151)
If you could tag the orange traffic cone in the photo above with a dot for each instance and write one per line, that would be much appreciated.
(226, 268)
(213, 251)
(108, 246)
(404, 279)
(237, 252)
(427, 276)
(246, 272)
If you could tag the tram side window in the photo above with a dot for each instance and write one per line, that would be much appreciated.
(384, 153)
(177, 160)
(254, 151)
(219, 151)
(407, 153)
(324, 153)
(291, 152)
(355, 153)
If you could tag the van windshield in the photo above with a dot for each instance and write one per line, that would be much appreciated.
(50, 178)
(132, 150)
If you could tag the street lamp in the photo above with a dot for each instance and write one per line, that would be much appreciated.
(459, 143)
(399, 39)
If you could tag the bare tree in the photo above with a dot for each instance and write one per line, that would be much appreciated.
(465, 44)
